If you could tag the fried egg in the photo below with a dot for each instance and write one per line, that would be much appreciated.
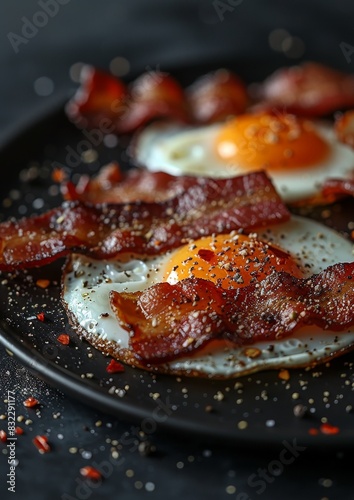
(300, 246)
(298, 154)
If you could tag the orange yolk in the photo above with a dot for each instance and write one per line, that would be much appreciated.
(229, 260)
(268, 141)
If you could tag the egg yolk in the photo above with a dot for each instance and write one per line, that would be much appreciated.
(229, 260)
(268, 141)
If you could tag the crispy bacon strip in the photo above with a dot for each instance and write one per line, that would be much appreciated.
(104, 101)
(344, 128)
(334, 189)
(310, 89)
(94, 103)
(102, 231)
(169, 321)
(216, 96)
(111, 185)
(154, 95)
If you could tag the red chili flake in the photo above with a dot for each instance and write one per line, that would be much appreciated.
(114, 367)
(19, 430)
(41, 443)
(3, 436)
(329, 429)
(205, 254)
(31, 402)
(43, 283)
(40, 316)
(64, 339)
(90, 472)
(58, 175)
(313, 431)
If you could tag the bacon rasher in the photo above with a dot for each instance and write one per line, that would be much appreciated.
(111, 185)
(105, 101)
(216, 96)
(93, 103)
(310, 89)
(205, 207)
(169, 321)
(334, 189)
(344, 127)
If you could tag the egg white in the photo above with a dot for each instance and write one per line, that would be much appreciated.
(88, 282)
(190, 151)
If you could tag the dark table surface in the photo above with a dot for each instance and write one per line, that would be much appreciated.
(37, 70)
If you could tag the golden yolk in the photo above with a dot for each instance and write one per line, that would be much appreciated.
(229, 260)
(268, 141)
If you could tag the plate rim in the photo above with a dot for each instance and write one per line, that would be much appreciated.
(60, 378)
(66, 381)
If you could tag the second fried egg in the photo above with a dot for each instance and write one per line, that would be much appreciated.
(298, 154)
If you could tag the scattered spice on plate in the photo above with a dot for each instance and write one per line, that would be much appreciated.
(114, 367)
(313, 432)
(41, 443)
(90, 472)
(284, 375)
(329, 429)
(31, 402)
(58, 175)
(300, 410)
(64, 339)
(40, 316)
(42, 283)
(146, 448)
(325, 428)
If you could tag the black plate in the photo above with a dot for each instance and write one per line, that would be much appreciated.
(252, 410)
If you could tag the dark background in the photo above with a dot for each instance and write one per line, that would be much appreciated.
(165, 34)
(38, 76)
